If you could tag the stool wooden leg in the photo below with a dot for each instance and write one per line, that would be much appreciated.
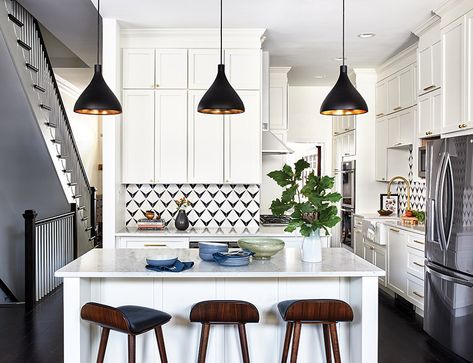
(295, 342)
(243, 343)
(287, 342)
(103, 345)
(204, 339)
(336, 349)
(131, 348)
(328, 353)
(161, 347)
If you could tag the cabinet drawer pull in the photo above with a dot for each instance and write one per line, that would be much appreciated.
(155, 245)
(419, 242)
(397, 108)
(429, 87)
(428, 133)
(417, 294)
(418, 264)
(394, 230)
(336, 133)
(380, 114)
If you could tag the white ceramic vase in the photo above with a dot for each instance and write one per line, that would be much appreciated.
(311, 250)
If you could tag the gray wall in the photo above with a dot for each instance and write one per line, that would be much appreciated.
(27, 176)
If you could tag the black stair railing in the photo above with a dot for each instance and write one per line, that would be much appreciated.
(48, 99)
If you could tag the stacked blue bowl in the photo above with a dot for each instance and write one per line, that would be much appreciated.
(207, 249)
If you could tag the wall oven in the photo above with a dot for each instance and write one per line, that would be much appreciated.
(422, 161)
(348, 184)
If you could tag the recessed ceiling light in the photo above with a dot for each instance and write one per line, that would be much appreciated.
(366, 35)
(339, 59)
(320, 76)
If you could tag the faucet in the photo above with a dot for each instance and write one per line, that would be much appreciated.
(408, 186)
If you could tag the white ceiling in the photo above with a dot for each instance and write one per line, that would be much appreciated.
(304, 34)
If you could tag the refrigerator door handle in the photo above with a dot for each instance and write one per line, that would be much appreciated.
(446, 275)
(440, 189)
(452, 209)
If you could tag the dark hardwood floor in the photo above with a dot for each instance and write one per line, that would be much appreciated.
(37, 337)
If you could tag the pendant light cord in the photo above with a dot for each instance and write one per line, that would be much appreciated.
(343, 36)
(221, 31)
(98, 32)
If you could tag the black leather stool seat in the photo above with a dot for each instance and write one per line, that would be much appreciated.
(315, 310)
(128, 319)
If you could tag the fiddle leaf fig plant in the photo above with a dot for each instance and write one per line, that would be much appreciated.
(312, 206)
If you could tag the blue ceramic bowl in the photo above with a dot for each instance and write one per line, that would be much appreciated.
(160, 261)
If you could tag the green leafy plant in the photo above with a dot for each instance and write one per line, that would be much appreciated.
(420, 215)
(312, 206)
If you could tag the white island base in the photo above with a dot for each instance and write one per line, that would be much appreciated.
(118, 277)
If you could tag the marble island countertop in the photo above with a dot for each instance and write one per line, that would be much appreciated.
(120, 263)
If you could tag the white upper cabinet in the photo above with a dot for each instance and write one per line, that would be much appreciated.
(278, 98)
(342, 124)
(429, 114)
(429, 59)
(453, 60)
(468, 121)
(407, 96)
(242, 164)
(205, 143)
(138, 68)
(381, 98)
(171, 68)
(243, 68)
(202, 67)
(171, 137)
(394, 93)
(138, 136)
(401, 128)
(381, 145)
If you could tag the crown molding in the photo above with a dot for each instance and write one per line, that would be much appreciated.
(192, 38)
(453, 9)
(426, 25)
(400, 60)
(279, 70)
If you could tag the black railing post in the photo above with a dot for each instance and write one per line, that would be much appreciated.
(74, 229)
(30, 258)
(93, 215)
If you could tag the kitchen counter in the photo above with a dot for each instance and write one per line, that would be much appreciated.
(118, 277)
(131, 263)
(406, 227)
(375, 216)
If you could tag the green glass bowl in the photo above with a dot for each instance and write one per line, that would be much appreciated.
(263, 248)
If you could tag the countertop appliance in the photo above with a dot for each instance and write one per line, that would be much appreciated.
(448, 315)
(276, 221)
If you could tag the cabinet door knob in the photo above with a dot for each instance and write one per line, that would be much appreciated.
(429, 87)
(397, 108)
(157, 85)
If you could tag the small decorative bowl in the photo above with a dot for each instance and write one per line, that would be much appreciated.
(384, 212)
(263, 248)
(149, 214)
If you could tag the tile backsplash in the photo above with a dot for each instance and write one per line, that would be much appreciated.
(418, 190)
(213, 205)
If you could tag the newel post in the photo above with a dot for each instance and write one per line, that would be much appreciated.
(30, 258)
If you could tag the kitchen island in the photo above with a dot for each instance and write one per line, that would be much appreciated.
(119, 277)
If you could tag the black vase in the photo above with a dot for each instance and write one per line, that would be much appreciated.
(181, 222)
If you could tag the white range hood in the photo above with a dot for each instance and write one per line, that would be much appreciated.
(271, 144)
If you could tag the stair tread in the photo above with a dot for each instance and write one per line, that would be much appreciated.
(15, 20)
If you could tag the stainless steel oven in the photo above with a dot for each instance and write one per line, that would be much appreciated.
(346, 226)
(348, 184)
(421, 161)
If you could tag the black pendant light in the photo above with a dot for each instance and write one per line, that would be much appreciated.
(98, 98)
(221, 98)
(343, 99)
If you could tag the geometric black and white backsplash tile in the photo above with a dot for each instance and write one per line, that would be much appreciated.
(213, 205)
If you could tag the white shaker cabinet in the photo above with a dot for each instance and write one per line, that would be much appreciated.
(397, 254)
(205, 143)
(278, 98)
(407, 94)
(429, 62)
(381, 144)
(243, 142)
(394, 93)
(381, 98)
(243, 68)
(138, 68)
(171, 137)
(171, 68)
(429, 114)
(401, 127)
(138, 136)
(202, 67)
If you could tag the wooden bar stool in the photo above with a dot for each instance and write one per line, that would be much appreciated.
(313, 311)
(223, 312)
(128, 319)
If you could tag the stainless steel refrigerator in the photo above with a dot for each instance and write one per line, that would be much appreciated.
(448, 315)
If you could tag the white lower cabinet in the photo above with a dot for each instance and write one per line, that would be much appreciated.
(376, 255)
(397, 252)
(205, 143)
(152, 242)
(243, 159)
(358, 247)
(415, 291)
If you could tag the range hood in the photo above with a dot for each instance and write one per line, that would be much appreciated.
(273, 145)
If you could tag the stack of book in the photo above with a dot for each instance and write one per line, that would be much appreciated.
(151, 224)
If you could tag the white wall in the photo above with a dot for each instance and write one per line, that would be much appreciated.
(306, 124)
(85, 129)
